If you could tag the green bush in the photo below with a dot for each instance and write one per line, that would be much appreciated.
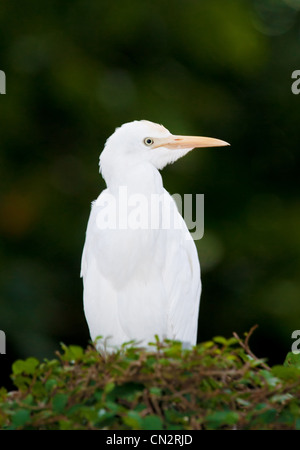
(218, 384)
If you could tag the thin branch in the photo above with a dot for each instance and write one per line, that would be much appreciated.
(245, 346)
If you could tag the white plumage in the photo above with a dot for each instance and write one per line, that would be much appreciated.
(140, 270)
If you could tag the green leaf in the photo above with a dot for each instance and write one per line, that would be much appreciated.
(49, 385)
(109, 387)
(76, 351)
(155, 391)
(269, 377)
(128, 391)
(29, 400)
(208, 344)
(21, 417)
(243, 402)
(292, 360)
(267, 416)
(104, 416)
(220, 340)
(286, 373)
(59, 402)
(133, 420)
(281, 398)
(152, 422)
(219, 418)
(27, 366)
(114, 407)
(72, 353)
(65, 425)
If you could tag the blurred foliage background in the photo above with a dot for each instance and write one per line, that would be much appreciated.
(75, 70)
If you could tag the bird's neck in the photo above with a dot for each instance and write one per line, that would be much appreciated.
(139, 178)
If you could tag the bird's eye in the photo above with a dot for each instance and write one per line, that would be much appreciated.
(148, 141)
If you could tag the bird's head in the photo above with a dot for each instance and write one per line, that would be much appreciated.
(145, 141)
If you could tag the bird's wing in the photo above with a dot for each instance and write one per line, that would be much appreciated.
(138, 283)
(124, 295)
(99, 294)
(182, 282)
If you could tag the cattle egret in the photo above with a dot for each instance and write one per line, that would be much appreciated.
(141, 277)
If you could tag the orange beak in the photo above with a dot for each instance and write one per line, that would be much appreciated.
(184, 142)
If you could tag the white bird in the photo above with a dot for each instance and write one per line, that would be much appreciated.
(141, 278)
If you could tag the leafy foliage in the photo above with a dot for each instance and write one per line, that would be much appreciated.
(218, 384)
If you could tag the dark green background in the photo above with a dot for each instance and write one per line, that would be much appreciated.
(78, 69)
